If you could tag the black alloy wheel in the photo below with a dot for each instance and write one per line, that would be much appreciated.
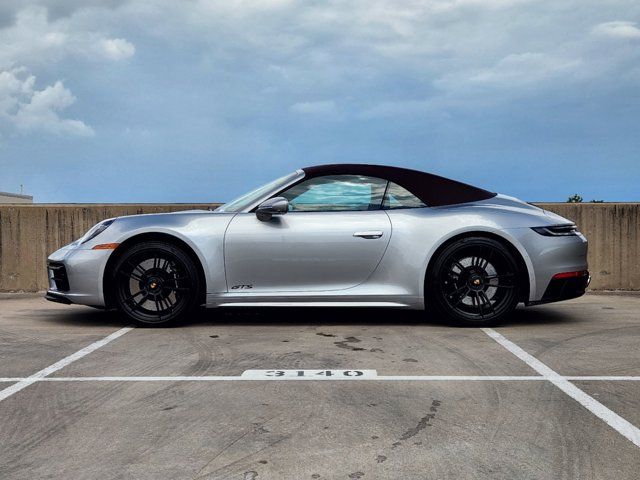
(155, 283)
(474, 282)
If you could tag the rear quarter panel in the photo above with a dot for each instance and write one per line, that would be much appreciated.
(418, 233)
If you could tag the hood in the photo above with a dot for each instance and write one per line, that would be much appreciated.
(168, 214)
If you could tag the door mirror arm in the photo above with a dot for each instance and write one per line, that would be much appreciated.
(274, 206)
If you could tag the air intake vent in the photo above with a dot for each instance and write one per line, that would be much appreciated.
(58, 277)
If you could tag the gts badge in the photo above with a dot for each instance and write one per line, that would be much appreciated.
(241, 287)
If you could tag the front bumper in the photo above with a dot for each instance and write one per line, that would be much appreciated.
(75, 276)
(57, 297)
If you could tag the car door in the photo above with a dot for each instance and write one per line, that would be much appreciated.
(332, 238)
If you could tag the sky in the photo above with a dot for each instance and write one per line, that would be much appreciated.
(200, 101)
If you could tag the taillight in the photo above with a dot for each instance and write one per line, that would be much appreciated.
(579, 273)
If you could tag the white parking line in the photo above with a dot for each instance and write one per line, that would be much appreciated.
(612, 419)
(379, 378)
(38, 376)
(244, 378)
(603, 378)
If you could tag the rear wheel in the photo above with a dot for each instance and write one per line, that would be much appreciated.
(474, 282)
(155, 283)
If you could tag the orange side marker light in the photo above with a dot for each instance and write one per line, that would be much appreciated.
(106, 246)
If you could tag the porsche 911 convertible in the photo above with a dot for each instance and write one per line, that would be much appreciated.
(331, 235)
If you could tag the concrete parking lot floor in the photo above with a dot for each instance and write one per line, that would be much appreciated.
(553, 394)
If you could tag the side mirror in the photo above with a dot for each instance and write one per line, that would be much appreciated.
(271, 207)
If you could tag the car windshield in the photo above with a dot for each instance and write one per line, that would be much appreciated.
(248, 199)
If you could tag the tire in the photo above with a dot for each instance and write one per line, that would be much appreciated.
(155, 284)
(474, 282)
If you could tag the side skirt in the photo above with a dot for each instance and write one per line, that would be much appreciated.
(315, 304)
(226, 300)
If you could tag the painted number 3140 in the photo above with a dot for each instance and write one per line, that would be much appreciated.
(311, 373)
(308, 374)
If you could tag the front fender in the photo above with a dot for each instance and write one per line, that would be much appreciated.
(203, 233)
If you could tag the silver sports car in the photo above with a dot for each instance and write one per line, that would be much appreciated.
(331, 235)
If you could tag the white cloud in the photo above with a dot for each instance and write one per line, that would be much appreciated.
(512, 72)
(618, 29)
(321, 107)
(373, 58)
(516, 75)
(34, 40)
(117, 48)
(385, 58)
(26, 109)
(448, 5)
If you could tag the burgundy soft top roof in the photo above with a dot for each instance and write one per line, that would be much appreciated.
(433, 190)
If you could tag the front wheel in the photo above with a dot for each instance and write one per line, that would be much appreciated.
(474, 282)
(155, 283)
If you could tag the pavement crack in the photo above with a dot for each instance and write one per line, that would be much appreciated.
(199, 472)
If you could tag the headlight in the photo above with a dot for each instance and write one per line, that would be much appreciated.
(557, 230)
(96, 230)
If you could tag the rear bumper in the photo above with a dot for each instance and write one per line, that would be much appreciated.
(564, 289)
(546, 257)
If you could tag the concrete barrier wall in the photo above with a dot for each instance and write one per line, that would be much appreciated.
(28, 233)
(613, 231)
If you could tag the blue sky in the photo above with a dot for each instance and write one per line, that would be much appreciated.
(199, 101)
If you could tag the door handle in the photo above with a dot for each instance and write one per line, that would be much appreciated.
(373, 234)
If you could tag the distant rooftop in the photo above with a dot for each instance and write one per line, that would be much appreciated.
(6, 197)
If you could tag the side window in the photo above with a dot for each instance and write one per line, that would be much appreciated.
(336, 193)
(400, 197)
